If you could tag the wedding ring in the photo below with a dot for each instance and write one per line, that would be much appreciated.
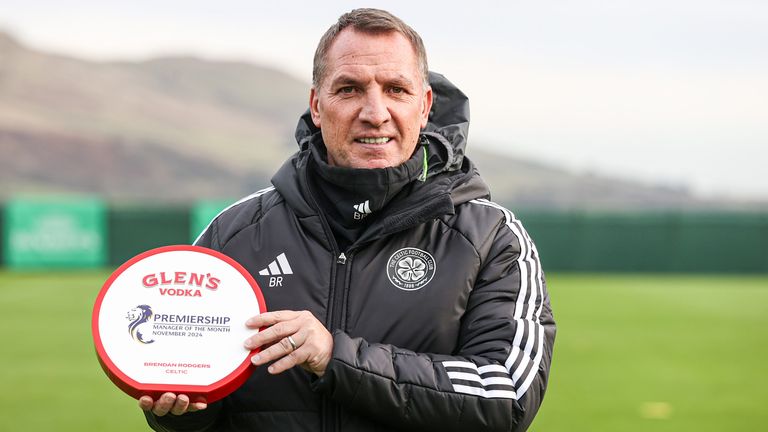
(293, 343)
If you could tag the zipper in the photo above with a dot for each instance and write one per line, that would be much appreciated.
(339, 287)
(331, 239)
(336, 307)
(338, 320)
(330, 412)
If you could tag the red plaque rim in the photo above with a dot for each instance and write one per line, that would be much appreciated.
(209, 393)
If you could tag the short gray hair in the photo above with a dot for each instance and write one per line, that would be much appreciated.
(372, 21)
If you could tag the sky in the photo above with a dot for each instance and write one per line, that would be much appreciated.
(668, 92)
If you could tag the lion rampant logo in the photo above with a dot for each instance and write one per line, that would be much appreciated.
(138, 316)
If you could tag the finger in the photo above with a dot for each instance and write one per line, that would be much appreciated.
(278, 350)
(270, 318)
(288, 361)
(146, 402)
(181, 404)
(197, 406)
(164, 404)
(272, 334)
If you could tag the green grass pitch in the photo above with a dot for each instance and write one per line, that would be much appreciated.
(633, 353)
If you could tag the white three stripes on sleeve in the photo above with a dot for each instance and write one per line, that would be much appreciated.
(523, 361)
(490, 381)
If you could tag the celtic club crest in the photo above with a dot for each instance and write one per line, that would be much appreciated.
(410, 269)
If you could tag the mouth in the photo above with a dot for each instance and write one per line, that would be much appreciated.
(373, 140)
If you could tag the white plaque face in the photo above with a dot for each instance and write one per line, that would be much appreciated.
(173, 319)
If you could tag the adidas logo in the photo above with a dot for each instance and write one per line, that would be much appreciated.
(364, 207)
(278, 267)
(362, 210)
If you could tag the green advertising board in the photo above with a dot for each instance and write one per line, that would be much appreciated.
(41, 233)
(203, 213)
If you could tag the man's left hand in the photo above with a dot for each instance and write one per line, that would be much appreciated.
(291, 338)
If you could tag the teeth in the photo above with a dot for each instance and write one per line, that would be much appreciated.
(381, 140)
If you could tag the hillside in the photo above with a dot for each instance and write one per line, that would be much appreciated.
(182, 128)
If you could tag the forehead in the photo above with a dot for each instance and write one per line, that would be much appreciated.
(388, 52)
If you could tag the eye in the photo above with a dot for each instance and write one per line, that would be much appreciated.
(397, 90)
(347, 90)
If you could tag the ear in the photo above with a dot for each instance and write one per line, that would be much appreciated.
(426, 107)
(314, 106)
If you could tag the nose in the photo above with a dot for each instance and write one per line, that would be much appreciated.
(375, 110)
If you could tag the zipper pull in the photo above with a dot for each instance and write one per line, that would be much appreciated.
(342, 259)
(424, 142)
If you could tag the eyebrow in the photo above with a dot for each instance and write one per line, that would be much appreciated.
(399, 81)
(344, 80)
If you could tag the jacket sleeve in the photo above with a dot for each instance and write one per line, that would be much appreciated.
(497, 377)
(199, 421)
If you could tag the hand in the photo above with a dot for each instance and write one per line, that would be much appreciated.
(169, 402)
(313, 343)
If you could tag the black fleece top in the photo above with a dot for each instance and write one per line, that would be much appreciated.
(351, 198)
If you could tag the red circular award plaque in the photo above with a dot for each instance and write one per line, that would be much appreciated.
(172, 319)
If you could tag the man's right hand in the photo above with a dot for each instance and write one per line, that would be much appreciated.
(170, 403)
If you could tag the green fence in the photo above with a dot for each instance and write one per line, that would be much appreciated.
(134, 230)
(54, 233)
(661, 242)
(584, 242)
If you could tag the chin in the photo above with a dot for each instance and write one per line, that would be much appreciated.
(373, 162)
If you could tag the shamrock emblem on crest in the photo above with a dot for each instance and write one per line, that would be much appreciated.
(411, 269)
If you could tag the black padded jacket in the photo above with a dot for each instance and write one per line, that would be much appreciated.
(440, 316)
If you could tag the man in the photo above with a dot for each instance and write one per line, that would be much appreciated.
(412, 302)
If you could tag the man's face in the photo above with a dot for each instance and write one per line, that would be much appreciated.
(371, 104)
